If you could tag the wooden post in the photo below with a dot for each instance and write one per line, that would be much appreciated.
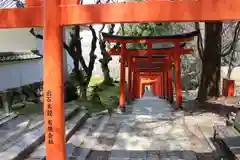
(167, 94)
(166, 84)
(228, 87)
(137, 84)
(231, 86)
(162, 84)
(178, 76)
(158, 86)
(53, 82)
(153, 89)
(141, 89)
(122, 80)
(130, 78)
(170, 87)
(149, 45)
(133, 83)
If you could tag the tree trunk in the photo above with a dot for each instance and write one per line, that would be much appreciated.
(106, 58)
(83, 92)
(230, 65)
(6, 102)
(211, 62)
(106, 73)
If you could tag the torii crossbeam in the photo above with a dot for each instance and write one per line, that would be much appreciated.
(52, 15)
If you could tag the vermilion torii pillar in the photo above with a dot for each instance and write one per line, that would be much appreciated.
(122, 77)
(52, 15)
(130, 78)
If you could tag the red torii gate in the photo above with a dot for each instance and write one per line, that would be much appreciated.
(161, 76)
(158, 80)
(54, 14)
(128, 56)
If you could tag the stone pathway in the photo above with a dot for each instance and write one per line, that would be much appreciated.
(151, 132)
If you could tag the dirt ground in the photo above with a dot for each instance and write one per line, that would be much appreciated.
(199, 122)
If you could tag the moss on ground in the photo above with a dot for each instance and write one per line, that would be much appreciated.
(28, 109)
(108, 95)
(95, 80)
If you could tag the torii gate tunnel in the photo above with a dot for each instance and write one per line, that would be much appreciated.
(150, 66)
(52, 15)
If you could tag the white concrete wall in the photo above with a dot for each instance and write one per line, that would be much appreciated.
(20, 73)
(39, 43)
(17, 40)
(16, 74)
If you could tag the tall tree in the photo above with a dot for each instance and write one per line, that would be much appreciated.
(230, 49)
(106, 58)
(214, 47)
(82, 74)
(211, 61)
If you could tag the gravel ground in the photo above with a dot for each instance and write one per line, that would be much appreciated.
(199, 121)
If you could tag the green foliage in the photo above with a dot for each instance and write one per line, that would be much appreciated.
(102, 97)
(189, 63)
(144, 29)
(95, 80)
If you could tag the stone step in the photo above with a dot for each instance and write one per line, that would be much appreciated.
(93, 140)
(29, 141)
(7, 118)
(71, 126)
(79, 136)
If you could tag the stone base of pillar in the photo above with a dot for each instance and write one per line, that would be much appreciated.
(179, 107)
(123, 108)
(170, 100)
(130, 101)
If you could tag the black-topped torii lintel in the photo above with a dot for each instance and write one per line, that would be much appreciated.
(111, 37)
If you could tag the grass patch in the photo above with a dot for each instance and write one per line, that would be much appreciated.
(91, 106)
(30, 108)
(110, 95)
(95, 80)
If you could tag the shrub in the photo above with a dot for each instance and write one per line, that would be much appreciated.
(70, 92)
